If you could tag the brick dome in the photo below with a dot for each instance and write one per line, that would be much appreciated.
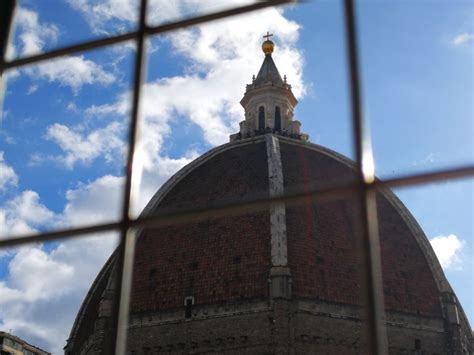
(278, 280)
(237, 269)
(229, 259)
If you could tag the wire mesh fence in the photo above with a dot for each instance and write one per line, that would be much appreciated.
(364, 187)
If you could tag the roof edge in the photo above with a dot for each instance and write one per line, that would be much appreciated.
(420, 237)
(184, 171)
(85, 303)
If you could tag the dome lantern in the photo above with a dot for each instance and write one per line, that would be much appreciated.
(269, 102)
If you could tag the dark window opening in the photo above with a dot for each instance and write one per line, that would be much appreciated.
(152, 279)
(193, 265)
(188, 307)
(152, 273)
(236, 259)
(417, 344)
(261, 118)
(277, 119)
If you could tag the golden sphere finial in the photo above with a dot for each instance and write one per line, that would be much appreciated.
(267, 46)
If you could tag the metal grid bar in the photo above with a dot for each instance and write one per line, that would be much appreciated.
(368, 240)
(365, 187)
(145, 31)
(126, 246)
(225, 210)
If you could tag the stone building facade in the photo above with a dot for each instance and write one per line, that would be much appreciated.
(13, 345)
(282, 280)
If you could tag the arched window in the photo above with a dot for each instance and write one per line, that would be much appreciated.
(277, 119)
(261, 118)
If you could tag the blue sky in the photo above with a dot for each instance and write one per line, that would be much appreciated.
(64, 124)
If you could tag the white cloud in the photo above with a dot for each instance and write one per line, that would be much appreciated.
(88, 203)
(98, 201)
(448, 249)
(85, 147)
(46, 284)
(32, 89)
(108, 15)
(8, 176)
(24, 214)
(34, 35)
(71, 106)
(44, 288)
(167, 11)
(463, 38)
(73, 71)
(28, 208)
(120, 107)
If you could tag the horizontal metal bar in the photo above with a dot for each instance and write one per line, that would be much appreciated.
(427, 177)
(98, 43)
(215, 16)
(81, 47)
(63, 234)
(324, 194)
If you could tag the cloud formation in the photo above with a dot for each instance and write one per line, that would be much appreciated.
(448, 249)
(206, 95)
(8, 176)
(463, 38)
(95, 202)
(112, 16)
(42, 308)
(34, 37)
(23, 214)
(83, 147)
(73, 71)
(108, 16)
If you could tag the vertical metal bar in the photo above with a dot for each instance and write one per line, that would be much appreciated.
(7, 10)
(371, 279)
(127, 241)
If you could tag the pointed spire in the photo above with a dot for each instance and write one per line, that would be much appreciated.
(268, 71)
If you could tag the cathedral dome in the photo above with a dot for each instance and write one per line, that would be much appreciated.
(280, 278)
(229, 259)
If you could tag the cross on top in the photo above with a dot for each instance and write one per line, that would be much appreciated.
(268, 35)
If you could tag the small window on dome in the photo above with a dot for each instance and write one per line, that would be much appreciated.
(188, 306)
(277, 119)
(261, 118)
(152, 279)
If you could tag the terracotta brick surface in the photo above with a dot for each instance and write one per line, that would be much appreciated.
(224, 263)
(225, 259)
(236, 174)
(322, 244)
